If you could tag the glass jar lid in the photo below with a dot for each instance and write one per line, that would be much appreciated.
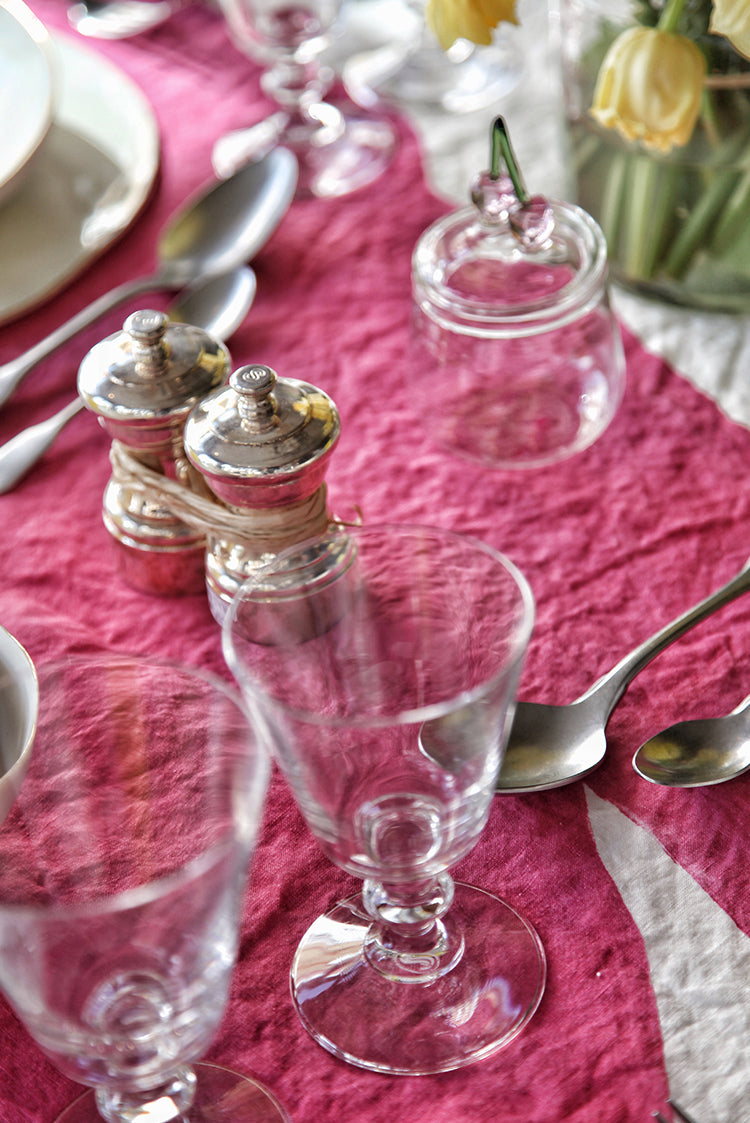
(510, 264)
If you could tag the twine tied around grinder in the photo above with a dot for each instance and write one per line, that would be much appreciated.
(261, 531)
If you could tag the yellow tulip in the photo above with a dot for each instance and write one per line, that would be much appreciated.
(649, 87)
(467, 19)
(732, 19)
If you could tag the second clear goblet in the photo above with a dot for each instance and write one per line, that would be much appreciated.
(384, 661)
(123, 862)
(338, 149)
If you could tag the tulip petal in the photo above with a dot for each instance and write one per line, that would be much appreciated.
(467, 19)
(731, 18)
(649, 87)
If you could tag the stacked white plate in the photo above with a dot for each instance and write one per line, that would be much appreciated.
(26, 91)
(19, 703)
(79, 151)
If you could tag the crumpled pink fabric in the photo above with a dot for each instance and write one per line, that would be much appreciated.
(615, 542)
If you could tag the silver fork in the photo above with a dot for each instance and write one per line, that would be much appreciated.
(679, 1115)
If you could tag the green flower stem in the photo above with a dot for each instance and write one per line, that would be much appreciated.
(724, 198)
(709, 119)
(670, 16)
(648, 206)
(586, 151)
(612, 201)
(701, 222)
(733, 220)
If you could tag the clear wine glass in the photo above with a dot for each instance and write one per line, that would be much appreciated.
(123, 863)
(413, 70)
(339, 149)
(384, 661)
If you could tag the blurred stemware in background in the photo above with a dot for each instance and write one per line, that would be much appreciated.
(385, 661)
(339, 148)
(123, 863)
(410, 68)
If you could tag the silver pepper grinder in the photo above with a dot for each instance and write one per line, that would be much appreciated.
(142, 383)
(262, 445)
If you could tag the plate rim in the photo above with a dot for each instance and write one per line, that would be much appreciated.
(37, 34)
(141, 174)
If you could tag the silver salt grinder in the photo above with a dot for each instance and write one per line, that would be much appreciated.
(262, 445)
(142, 383)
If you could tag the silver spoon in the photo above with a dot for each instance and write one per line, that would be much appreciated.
(693, 754)
(218, 305)
(119, 19)
(550, 746)
(214, 232)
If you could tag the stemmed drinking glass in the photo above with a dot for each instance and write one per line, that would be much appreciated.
(123, 863)
(338, 149)
(414, 70)
(384, 662)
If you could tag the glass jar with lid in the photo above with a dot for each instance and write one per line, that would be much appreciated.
(518, 357)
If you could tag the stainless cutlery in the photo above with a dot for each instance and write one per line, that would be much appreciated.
(216, 231)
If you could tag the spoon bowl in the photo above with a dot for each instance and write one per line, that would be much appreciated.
(227, 225)
(695, 754)
(218, 304)
(216, 231)
(550, 746)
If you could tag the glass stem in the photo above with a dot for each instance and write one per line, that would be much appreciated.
(169, 1101)
(296, 86)
(409, 941)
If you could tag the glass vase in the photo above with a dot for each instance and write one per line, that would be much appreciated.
(677, 224)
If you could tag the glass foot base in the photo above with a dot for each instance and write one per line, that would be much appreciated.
(356, 158)
(462, 81)
(344, 151)
(222, 1096)
(478, 1005)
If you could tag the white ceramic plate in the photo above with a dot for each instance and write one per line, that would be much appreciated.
(86, 184)
(26, 90)
(19, 703)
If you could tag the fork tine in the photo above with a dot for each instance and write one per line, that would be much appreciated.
(680, 1112)
(657, 1115)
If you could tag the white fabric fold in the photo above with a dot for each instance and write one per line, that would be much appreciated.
(699, 962)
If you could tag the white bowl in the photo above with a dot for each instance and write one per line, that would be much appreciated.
(27, 91)
(19, 706)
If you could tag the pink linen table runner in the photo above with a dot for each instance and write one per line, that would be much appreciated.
(615, 542)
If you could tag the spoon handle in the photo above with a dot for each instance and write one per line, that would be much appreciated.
(12, 373)
(114, 20)
(610, 687)
(20, 453)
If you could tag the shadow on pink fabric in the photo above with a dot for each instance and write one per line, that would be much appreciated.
(615, 542)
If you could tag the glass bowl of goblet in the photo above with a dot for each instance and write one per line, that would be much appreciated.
(408, 66)
(384, 662)
(123, 863)
(339, 147)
